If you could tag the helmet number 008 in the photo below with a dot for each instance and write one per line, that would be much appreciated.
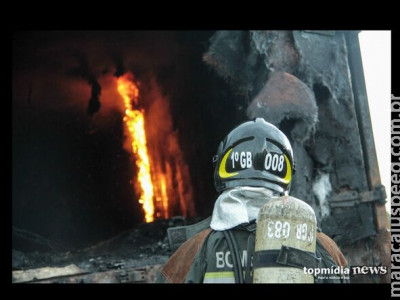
(274, 162)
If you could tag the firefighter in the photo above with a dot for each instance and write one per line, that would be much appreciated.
(253, 167)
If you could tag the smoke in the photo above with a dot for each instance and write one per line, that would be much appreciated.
(118, 60)
(94, 102)
(85, 72)
(58, 68)
(322, 188)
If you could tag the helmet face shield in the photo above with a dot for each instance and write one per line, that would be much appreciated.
(255, 153)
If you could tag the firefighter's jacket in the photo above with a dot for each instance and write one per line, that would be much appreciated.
(206, 258)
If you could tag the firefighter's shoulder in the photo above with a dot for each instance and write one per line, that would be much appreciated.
(179, 264)
(332, 248)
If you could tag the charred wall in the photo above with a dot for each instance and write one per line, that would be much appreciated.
(302, 81)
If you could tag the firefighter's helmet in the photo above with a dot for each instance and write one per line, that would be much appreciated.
(255, 153)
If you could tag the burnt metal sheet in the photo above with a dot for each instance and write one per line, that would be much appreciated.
(347, 225)
(284, 96)
(352, 198)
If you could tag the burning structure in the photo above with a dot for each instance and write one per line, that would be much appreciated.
(113, 130)
(158, 179)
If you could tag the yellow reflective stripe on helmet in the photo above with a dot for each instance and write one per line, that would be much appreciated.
(222, 167)
(288, 176)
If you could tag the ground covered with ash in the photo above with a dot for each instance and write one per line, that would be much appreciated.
(144, 245)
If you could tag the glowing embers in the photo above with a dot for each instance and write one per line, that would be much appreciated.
(134, 120)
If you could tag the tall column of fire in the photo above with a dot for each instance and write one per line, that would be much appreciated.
(134, 120)
(163, 175)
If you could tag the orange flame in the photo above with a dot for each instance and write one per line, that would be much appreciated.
(162, 196)
(134, 121)
(163, 175)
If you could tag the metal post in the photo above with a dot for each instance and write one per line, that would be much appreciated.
(364, 123)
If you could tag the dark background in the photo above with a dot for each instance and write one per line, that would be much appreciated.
(71, 177)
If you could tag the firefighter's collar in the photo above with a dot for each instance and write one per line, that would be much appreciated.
(237, 206)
